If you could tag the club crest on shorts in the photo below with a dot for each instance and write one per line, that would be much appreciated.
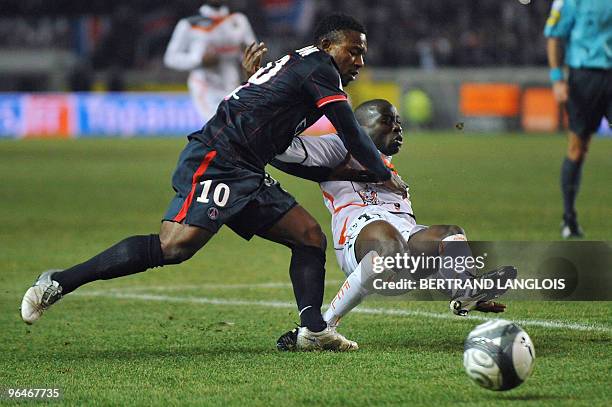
(213, 213)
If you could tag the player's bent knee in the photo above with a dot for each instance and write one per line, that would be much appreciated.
(176, 252)
(179, 242)
(577, 148)
(452, 230)
(313, 235)
(381, 237)
(577, 154)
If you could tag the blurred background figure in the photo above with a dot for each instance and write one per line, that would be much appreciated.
(210, 45)
(49, 38)
(582, 31)
(115, 51)
(80, 77)
(484, 65)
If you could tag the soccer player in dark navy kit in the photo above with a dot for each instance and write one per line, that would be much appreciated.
(220, 178)
(583, 29)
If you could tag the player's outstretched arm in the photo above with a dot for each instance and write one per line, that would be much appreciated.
(361, 146)
(316, 174)
(320, 159)
(558, 29)
(355, 138)
(554, 52)
(342, 172)
(179, 54)
(345, 172)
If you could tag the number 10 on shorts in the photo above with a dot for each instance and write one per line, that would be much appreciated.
(220, 194)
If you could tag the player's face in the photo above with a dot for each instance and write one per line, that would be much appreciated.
(348, 53)
(386, 131)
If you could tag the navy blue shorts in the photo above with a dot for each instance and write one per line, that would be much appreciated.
(211, 192)
(590, 99)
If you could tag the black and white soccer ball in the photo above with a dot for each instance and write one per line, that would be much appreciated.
(498, 355)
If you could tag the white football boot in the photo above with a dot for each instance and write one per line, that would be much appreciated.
(327, 339)
(570, 229)
(39, 297)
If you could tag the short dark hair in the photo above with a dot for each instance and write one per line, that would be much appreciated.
(331, 25)
(365, 111)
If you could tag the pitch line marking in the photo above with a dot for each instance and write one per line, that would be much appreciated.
(362, 310)
(212, 286)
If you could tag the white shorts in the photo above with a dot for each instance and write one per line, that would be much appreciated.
(406, 225)
(206, 98)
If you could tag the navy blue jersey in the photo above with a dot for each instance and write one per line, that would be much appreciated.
(260, 118)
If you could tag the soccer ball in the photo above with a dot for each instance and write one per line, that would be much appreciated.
(498, 355)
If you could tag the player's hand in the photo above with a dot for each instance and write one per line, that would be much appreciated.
(490, 306)
(396, 184)
(343, 172)
(210, 60)
(251, 60)
(560, 91)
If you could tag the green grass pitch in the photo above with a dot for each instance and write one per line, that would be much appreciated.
(203, 333)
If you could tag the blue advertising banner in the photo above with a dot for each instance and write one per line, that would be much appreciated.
(11, 121)
(136, 115)
(71, 115)
(97, 115)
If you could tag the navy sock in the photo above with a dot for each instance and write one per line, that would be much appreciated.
(132, 255)
(571, 172)
(307, 271)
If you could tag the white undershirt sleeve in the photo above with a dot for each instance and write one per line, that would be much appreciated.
(315, 151)
(182, 53)
(249, 35)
